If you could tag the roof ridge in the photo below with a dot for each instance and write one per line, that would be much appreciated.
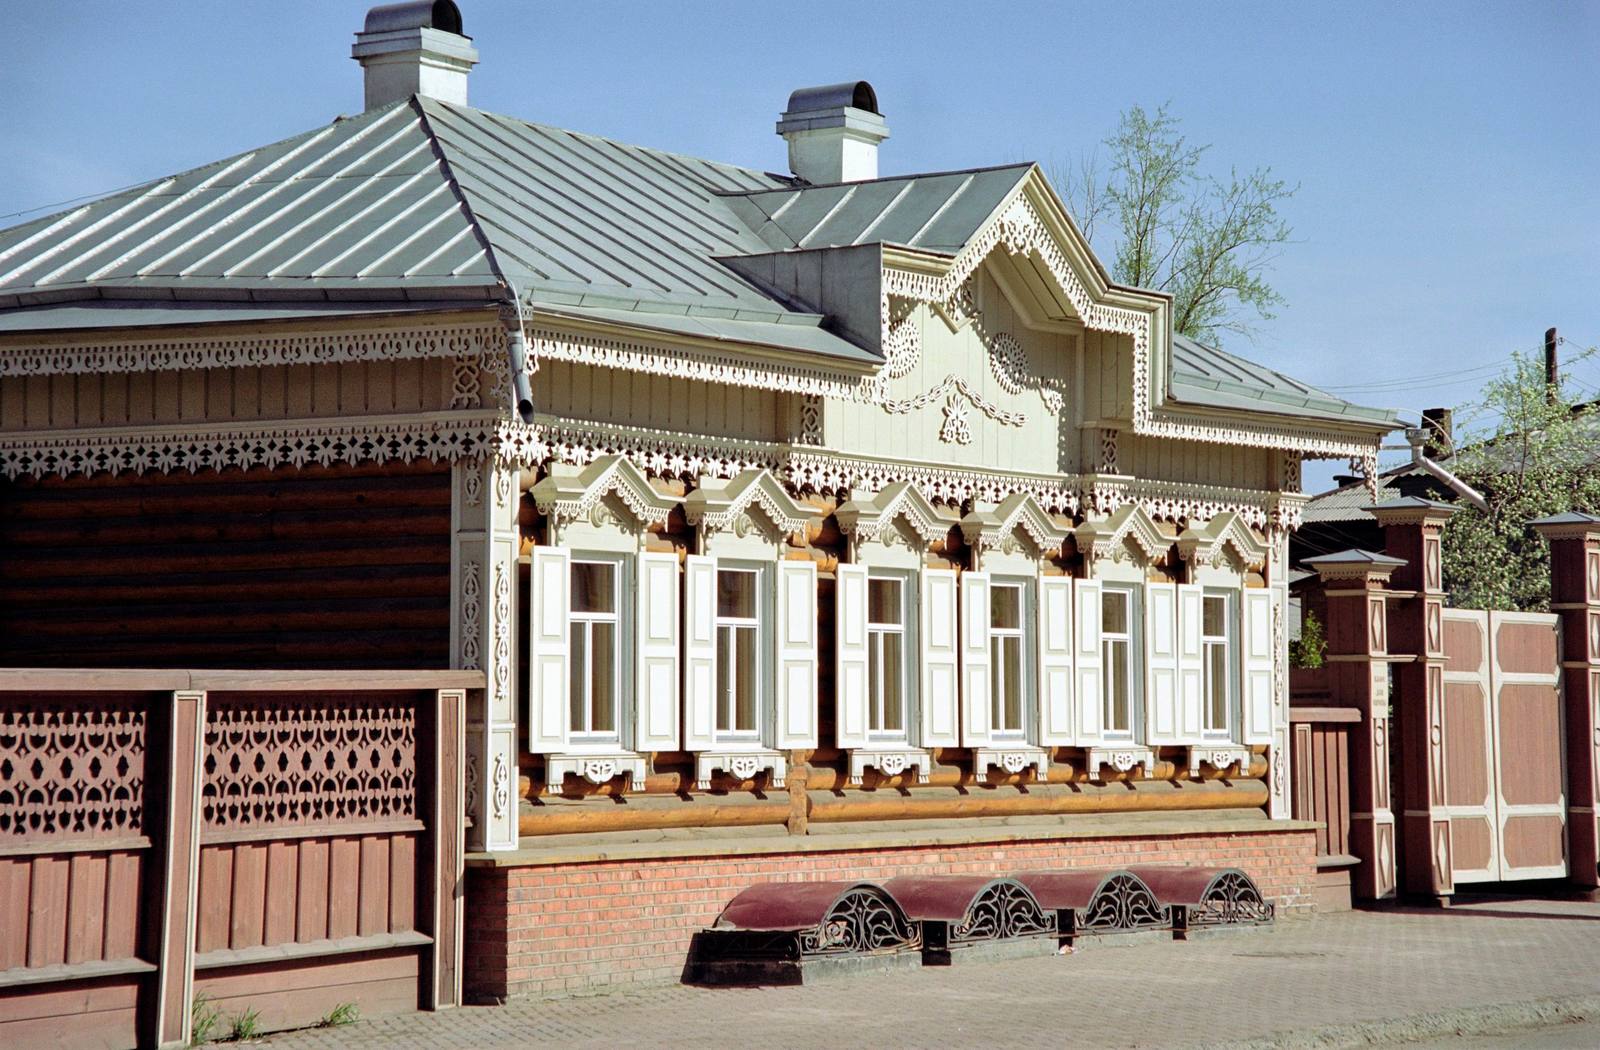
(445, 169)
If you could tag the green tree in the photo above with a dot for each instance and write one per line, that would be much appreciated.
(1537, 454)
(1206, 241)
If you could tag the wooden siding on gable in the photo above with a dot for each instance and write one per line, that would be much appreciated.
(616, 397)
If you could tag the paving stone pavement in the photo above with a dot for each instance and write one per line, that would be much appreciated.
(1304, 975)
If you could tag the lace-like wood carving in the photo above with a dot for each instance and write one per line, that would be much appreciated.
(276, 760)
(71, 767)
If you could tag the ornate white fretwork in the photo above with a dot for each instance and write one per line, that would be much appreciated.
(902, 339)
(867, 515)
(1209, 543)
(1108, 450)
(715, 505)
(1008, 360)
(951, 385)
(1012, 760)
(596, 769)
(569, 492)
(465, 379)
(956, 428)
(740, 765)
(1111, 538)
(986, 528)
(1219, 757)
(889, 762)
(1122, 758)
(810, 421)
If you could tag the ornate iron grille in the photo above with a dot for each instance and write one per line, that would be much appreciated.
(275, 760)
(1230, 899)
(1001, 910)
(1122, 905)
(71, 766)
(863, 921)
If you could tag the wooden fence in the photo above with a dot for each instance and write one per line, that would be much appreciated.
(278, 842)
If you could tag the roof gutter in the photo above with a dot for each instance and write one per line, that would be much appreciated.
(1417, 437)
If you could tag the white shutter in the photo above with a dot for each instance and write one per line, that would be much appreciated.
(1191, 662)
(1161, 658)
(655, 725)
(699, 652)
(549, 634)
(1057, 721)
(975, 702)
(850, 656)
(796, 708)
(1258, 638)
(941, 675)
(1090, 663)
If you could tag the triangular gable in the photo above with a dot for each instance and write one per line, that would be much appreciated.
(865, 516)
(1018, 512)
(1207, 544)
(717, 504)
(570, 492)
(1129, 525)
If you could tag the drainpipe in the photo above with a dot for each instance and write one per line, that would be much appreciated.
(1417, 437)
(517, 353)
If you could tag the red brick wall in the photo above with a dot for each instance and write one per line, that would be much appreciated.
(557, 929)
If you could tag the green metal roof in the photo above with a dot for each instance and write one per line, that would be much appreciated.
(1204, 375)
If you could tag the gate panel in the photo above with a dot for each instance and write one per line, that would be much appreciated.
(1530, 773)
(1469, 747)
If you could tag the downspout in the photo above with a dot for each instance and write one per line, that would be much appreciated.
(1417, 437)
(517, 352)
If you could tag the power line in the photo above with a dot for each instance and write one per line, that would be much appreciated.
(1401, 382)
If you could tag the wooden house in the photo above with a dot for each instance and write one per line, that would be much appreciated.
(821, 522)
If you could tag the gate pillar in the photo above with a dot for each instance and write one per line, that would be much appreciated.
(1575, 597)
(1355, 585)
(1412, 530)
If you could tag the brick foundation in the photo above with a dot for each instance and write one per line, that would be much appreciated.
(555, 929)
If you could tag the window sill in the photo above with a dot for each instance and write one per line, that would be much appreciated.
(889, 760)
(596, 767)
(741, 763)
(1219, 757)
(1011, 759)
(1121, 757)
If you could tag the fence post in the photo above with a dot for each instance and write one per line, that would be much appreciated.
(1412, 530)
(1355, 584)
(1575, 597)
(185, 724)
(448, 846)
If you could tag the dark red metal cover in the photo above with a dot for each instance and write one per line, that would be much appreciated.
(1056, 890)
(783, 905)
(1176, 884)
(938, 897)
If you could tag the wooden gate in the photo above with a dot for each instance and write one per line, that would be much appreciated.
(1505, 775)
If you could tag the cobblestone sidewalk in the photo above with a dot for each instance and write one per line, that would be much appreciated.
(1339, 970)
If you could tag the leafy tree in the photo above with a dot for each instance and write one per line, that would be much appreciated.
(1205, 240)
(1539, 455)
(1308, 650)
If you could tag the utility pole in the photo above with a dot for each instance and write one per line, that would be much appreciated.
(1552, 375)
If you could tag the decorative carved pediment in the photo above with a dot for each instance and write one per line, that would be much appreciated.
(1019, 513)
(867, 516)
(716, 504)
(570, 492)
(1130, 528)
(1225, 534)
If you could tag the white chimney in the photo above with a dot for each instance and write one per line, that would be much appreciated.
(414, 49)
(833, 132)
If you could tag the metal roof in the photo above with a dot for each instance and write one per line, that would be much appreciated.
(1205, 375)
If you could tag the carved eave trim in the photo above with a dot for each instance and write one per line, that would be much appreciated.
(570, 492)
(716, 504)
(1207, 544)
(1109, 538)
(1019, 512)
(865, 516)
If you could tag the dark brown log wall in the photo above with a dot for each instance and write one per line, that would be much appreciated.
(323, 567)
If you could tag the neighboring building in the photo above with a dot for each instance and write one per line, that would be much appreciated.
(841, 500)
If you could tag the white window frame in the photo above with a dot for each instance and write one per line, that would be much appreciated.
(1025, 666)
(1229, 641)
(1133, 661)
(876, 632)
(763, 640)
(581, 625)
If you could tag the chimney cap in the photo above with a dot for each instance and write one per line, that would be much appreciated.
(852, 94)
(442, 15)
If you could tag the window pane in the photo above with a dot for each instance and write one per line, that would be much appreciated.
(594, 587)
(577, 676)
(996, 677)
(1005, 607)
(745, 680)
(1216, 615)
(736, 593)
(725, 663)
(1217, 675)
(893, 701)
(1013, 712)
(1117, 671)
(603, 687)
(1114, 612)
(883, 601)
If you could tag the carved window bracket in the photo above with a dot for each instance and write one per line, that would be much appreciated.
(1012, 760)
(1121, 759)
(1219, 758)
(741, 766)
(596, 768)
(889, 762)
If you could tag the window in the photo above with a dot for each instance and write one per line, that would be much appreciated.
(1216, 636)
(738, 652)
(1118, 615)
(886, 656)
(1007, 668)
(596, 651)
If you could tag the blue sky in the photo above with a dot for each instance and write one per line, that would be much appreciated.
(1448, 154)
